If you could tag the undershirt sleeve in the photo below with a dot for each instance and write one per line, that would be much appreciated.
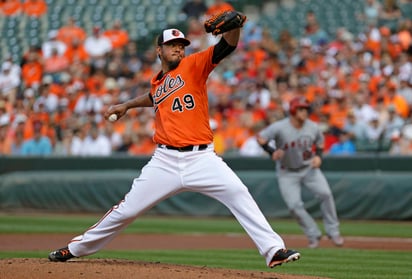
(221, 50)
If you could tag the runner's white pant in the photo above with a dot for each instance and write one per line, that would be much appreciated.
(170, 172)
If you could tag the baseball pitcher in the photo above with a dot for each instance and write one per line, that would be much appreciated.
(184, 159)
(297, 166)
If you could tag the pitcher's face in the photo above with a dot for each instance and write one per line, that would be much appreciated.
(171, 54)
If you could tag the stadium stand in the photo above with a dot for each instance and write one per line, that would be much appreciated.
(143, 19)
(140, 17)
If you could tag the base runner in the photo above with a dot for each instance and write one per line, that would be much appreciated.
(298, 167)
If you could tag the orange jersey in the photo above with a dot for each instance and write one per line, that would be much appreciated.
(218, 8)
(32, 73)
(181, 104)
(119, 38)
(35, 8)
(11, 8)
(67, 34)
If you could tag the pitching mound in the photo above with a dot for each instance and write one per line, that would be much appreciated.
(102, 269)
(109, 269)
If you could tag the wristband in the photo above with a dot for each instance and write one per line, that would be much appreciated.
(269, 149)
(319, 152)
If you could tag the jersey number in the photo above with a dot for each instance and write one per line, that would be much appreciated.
(187, 102)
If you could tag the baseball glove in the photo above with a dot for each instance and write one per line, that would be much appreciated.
(224, 21)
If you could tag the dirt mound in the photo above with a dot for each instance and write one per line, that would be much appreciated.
(102, 269)
(109, 269)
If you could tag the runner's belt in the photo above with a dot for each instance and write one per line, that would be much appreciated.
(294, 169)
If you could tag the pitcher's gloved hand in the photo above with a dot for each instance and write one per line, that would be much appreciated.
(224, 21)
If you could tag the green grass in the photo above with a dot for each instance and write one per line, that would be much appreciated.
(176, 225)
(338, 263)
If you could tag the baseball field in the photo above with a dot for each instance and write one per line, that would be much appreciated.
(180, 247)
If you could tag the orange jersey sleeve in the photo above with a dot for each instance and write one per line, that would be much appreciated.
(180, 102)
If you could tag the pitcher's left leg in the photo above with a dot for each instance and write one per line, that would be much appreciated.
(221, 183)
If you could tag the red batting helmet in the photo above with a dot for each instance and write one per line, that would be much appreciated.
(298, 102)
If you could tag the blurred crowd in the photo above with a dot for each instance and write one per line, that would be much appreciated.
(359, 86)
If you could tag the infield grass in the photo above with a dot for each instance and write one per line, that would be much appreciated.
(340, 263)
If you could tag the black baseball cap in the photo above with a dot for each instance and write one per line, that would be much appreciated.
(169, 35)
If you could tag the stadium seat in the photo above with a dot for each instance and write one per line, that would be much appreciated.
(142, 17)
(406, 9)
(372, 146)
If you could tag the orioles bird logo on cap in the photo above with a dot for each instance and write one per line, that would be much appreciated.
(175, 33)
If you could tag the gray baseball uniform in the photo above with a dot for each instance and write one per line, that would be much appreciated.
(294, 171)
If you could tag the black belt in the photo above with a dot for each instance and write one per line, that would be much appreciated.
(293, 169)
(185, 148)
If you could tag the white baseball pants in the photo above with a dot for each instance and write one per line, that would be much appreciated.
(170, 172)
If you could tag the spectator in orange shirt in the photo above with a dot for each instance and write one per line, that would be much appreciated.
(35, 8)
(142, 144)
(256, 54)
(304, 87)
(10, 8)
(217, 7)
(390, 43)
(405, 34)
(338, 112)
(72, 92)
(32, 70)
(226, 131)
(32, 48)
(95, 82)
(348, 83)
(70, 32)
(59, 83)
(76, 51)
(56, 64)
(118, 36)
(399, 102)
(309, 61)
